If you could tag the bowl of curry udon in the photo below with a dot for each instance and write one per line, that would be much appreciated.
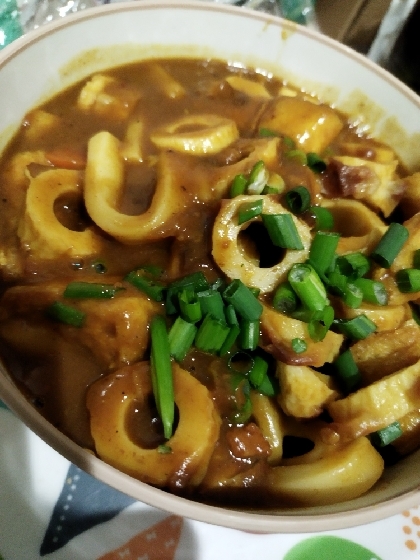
(209, 259)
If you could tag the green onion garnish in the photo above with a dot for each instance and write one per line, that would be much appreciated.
(298, 200)
(189, 306)
(285, 299)
(308, 286)
(243, 413)
(320, 322)
(266, 132)
(353, 265)
(211, 335)
(82, 290)
(322, 250)
(249, 335)
(282, 231)
(372, 291)
(416, 258)
(298, 156)
(258, 372)
(230, 340)
(386, 435)
(358, 328)
(353, 296)
(299, 345)
(257, 178)
(142, 280)
(211, 303)
(390, 245)
(347, 371)
(249, 210)
(181, 336)
(243, 300)
(66, 314)
(196, 281)
(161, 370)
(315, 162)
(238, 185)
(289, 142)
(324, 220)
(408, 280)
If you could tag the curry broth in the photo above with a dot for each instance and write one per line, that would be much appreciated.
(57, 362)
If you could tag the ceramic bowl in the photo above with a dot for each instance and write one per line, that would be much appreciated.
(50, 58)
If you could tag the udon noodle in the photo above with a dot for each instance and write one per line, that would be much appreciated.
(211, 280)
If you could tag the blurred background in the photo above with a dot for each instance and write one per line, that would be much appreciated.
(385, 31)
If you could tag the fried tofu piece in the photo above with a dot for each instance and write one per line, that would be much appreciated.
(376, 406)
(303, 392)
(385, 352)
(278, 332)
(107, 97)
(313, 127)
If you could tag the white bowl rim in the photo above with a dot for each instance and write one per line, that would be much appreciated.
(247, 521)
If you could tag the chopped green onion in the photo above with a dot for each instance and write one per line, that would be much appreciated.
(275, 184)
(257, 179)
(340, 285)
(416, 258)
(258, 372)
(249, 335)
(353, 265)
(243, 413)
(82, 290)
(373, 291)
(268, 387)
(390, 245)
(270, 190)
(285, 299)
(336, 282)
(211, 303)
(308, 286)
(353, 296)
(181, 336)
(282, 231)
(415, 312)
(298, 156)
(347, 371)
(386, 435)
(408, 280)
(238, 185)
(230, 315)
(358, 328)
(195, 281)
(249, 210)
(322, 250)
(211, 335)
(299, 345)
(161, 370)
(298, 200)
(289, 142)
(320, 322)
(164, 449)
(243, 300)
(324, 220)
(140, 279)
(315, 162)
(266, 132)
(66, 314)
(189, 306)
(230, 340)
